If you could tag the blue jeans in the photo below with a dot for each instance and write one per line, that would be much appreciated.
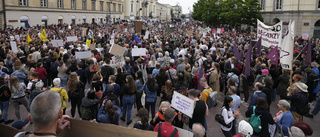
(64, 82)
(127, 103)
(104, 85)
(4, 108)
(274, 94)
(316, 109)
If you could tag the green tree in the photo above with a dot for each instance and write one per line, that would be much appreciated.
(183, 16)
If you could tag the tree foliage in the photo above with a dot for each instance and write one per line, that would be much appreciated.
(231, 12)
(183, 16)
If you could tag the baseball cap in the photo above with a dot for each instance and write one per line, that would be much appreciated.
(245, 128)
(265, 71)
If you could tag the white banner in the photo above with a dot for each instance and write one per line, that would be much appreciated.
(138, 52)
(219, 30)
(271, 35)
(286, 53)
(56, 43)
(182, 103)
(72, 38)
(83, 55)
(14, 46)
(146, 36)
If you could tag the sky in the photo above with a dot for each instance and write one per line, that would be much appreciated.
(184, 3)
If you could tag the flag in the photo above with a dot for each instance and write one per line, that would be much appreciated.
(258, 46)
(222, 30)
(248, 61)
(27, 24)
(43, 35)
(286, 54)
(307, 51)
(137, 39)
(29, 39)
(88, 42)
(235, 33)
(122, 26)
(236, 51)
(213, 31)
(273, 55)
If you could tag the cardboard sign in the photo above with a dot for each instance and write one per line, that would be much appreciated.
(305, 36)
(138, 26)
(182, 103)
(83, 55)
(72, 38)
(94, 68)
(7, 131)
(14, 46)
(117, 59)
(189, 32)
(116, 49)
(56, 43)
(84, 31)
(92, 47)
(82, 128)
(138, 52)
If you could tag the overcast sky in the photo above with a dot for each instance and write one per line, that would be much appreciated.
(184, 3)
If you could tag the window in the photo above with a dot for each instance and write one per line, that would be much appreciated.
(119, 7)
(114, 7)
(108, 6)
(43, 3)
(23, 2)
(131, 7)
(101, 5)
(318, 4)
(262, 4)
(73, 4)
(84, 4)
(278, 4)
(93, 4)
(60, 3)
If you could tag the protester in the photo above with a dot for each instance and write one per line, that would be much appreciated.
(4, 99)
(75, 92)
(128, 92)
(244, 129)
(284, 118)
(198, 130)
(150, 88)
(143, 123)
(62, 91)
(299, 101)
(229, 117)
(165, 129)
(109, 113)
(18, 95)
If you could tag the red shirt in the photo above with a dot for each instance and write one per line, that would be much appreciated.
(166, 130)
(42, 73)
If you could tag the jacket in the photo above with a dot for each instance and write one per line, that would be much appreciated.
(151, 96)
(266, 118)
(283, 84)
(20, 75)
(63, 95)
(298, 101)
(214, 80)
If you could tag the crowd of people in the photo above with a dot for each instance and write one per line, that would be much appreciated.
(192, 63)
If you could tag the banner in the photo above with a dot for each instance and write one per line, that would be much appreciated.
(286, 54)
(138, 52)
(56, 43)
(270, 35)
(83, 55)
(14, 47)
(182, 103)
(72, 38)
(117, 59)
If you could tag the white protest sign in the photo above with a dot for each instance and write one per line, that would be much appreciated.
(270, 35)
(99, 49)
(125, 30)
(112, 41)
(83, 55)
(56, 43)
(183, 132)
(272, 129)
(204, 34)
(72, 38)
(219, 30)
(182, 103)
(16, 37)
(14, 46)
(146, 36)
(85, 47)
(138, 52)
(117, 58)
(305, 36)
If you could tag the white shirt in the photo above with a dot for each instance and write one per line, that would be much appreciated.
(228, 118)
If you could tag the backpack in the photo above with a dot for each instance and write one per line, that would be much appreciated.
(86, 113)
(126, 70)
(171, 135)
(255, 121)
(212, 98)
(54, 67)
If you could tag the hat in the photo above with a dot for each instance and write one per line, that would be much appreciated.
(110, 88)
(303, 87)
(39, 84)
(296, 132)
(20, 124)
(265, 71)
(245, 128)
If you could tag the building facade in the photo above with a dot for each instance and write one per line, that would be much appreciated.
(305, 13)
(139, 9)
(163, 12)
(177, 11)
(46, 12)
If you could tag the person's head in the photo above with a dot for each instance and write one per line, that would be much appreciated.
(96, 77)
(314, 64)
(194, 94)
(228, 102)
(300, 87)
(45, 110)
(39, 85)
(267, 82)
(139, 75)
(143, 114)
(245, 128)
(131, 83)
(188, 68)
(39, 64)
(283, 105)
(14, 82)
(158, 66)
(258, 86)
(198, 130)
(169, 114)
(307, 130)
(110, 89)
(265, 72)
(150, 81)
(262, 103)
(233, 60)
(112, 79)
(56, 82)
(127, 61)
(3, 80)
(296, 64)
(232, 90)
(34, 75)
(203, 82)
(297, 77)
(164, 106)
(231, 82)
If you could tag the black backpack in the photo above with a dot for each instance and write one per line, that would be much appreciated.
(54, 67)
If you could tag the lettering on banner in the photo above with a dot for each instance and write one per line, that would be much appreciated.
(183, 104)
(117, 58)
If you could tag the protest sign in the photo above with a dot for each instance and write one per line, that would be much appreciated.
(138, 26)
(83, 128)
(92, 47)
(99, 49)
(72, 38)
(272, 129)
(270, 35)
(94, 68)
(84, 31)
(112, 41)
(138, 52)
(116, 49)
(17, 37)
(219, 30)
(7, 131)
(305, 36)
(183, 104)
(14, 47)
(83, 55)
(56, 43)
(183, 132)
(117, 58)
(146, 36)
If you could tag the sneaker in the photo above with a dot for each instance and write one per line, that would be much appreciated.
(122, 119)
(9, 121)
(128, 123)
(309, 115)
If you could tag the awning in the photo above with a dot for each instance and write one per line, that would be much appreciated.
(44, 17)
(60, 17)
(73, 17)
(84, 17)
(23, 18)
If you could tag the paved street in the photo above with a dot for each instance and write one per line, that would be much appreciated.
(213, 126)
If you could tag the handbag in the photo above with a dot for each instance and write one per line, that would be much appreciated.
(220, 120)
(143, 98)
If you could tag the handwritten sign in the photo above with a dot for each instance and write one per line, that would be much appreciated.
(56, 43)
(84, 31)
(94, 68)
(305, 36)
(183, 104)
(183, 132)
(14, 46)
(72, 38)
(270, 35)
(116, 49)
(83, 55)
(138, 52)
(117, 58)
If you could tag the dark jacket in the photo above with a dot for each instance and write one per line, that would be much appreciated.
(266, 118)
(298, 101)
(283, 84)
(79, 92)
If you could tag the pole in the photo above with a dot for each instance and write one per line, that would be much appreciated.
(4, 13)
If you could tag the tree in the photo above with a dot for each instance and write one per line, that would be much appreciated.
(183, 16)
